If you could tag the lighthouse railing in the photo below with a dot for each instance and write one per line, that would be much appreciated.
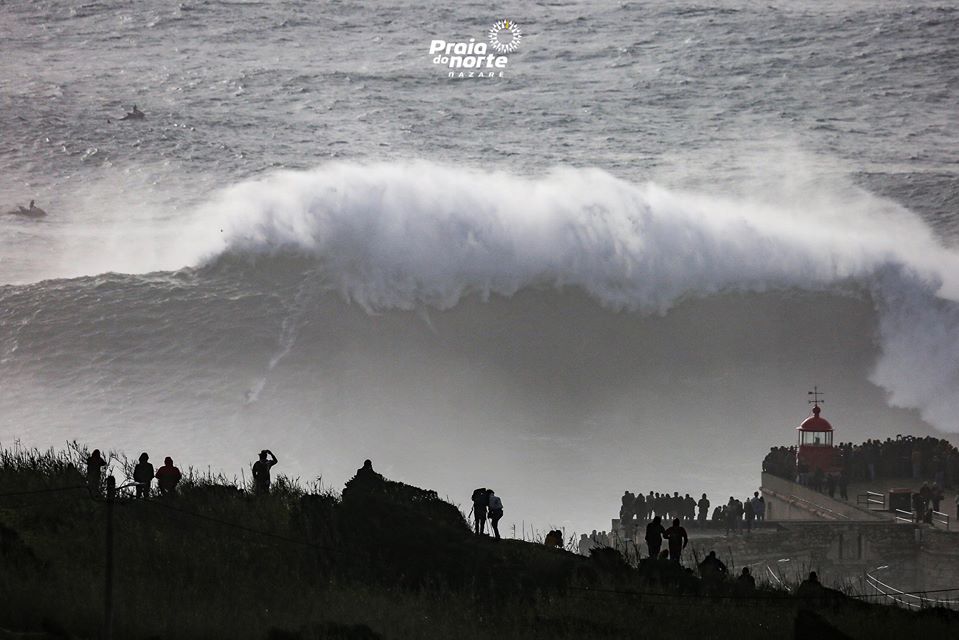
(871, 501)
(905, 516)
(940, 519)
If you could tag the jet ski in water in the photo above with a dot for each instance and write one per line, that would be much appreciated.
(33, 211)
(136, 114)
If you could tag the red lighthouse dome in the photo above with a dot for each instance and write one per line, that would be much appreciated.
(815, 424)
(815, 444)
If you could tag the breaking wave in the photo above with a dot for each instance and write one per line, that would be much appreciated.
(420, 236)
(398, 236)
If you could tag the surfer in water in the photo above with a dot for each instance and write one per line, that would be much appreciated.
(136, 114)
(33, 211)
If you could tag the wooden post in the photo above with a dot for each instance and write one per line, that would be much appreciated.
(108, 570)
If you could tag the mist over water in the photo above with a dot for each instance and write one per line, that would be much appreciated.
(620, 267)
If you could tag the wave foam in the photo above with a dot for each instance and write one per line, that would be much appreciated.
(396, 236)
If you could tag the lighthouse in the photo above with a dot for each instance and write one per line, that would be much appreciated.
(815, 449)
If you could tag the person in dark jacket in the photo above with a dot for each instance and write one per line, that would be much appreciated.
(712, 570)
(654, 537)
(554, 539)
(495, 511)
(703, 508)
(143, 476)
(95, 464)
(676, 535)
(639, 506)
(745, 583)
(168, 477)
(480, 500)
(261, 472)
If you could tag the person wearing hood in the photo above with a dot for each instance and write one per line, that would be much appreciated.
(143, 476)
(95, 464)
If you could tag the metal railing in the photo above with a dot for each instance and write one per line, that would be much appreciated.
(871, 501)
(940, 519)
(905, 516)
(916, 600)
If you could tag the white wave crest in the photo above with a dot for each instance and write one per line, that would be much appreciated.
(403, 235)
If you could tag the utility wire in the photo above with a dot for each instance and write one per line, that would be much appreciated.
(39, 491)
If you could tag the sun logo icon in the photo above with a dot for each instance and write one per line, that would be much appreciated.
(504, 36)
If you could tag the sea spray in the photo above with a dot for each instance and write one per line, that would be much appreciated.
(397, 236)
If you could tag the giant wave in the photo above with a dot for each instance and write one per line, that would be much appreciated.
(395, 236)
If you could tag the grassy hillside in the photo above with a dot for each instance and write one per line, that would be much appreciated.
(384, 560)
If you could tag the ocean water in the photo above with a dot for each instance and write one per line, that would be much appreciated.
(620, 265)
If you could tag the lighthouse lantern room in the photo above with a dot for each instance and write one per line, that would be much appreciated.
(815, 449)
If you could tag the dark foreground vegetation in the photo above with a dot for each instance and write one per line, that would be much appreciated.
(384, 560)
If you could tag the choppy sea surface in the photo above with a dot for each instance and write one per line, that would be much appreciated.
(620, 265)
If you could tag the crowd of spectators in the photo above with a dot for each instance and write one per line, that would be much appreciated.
(925, 458)
(637, 508)
(666, 506)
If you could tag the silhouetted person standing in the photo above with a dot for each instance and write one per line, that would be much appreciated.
(143, 476)
(639, 506)
(95, 464)
(626, 510)
(168, 477)
(676, 535)
(480, 505)
(554, 539)
(703, 508)
(730, 514)
(750, 514)
(364, 484)
(495, 511)
(936, 497)
(585, 544)
(925, 494)
(712, 570)
(261, 472)
(810, 591)
(366, 474)
(759, 506)
(745, 583)
(654, 537)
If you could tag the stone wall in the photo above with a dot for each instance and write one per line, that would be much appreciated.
(906, 556)
(808, 531)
